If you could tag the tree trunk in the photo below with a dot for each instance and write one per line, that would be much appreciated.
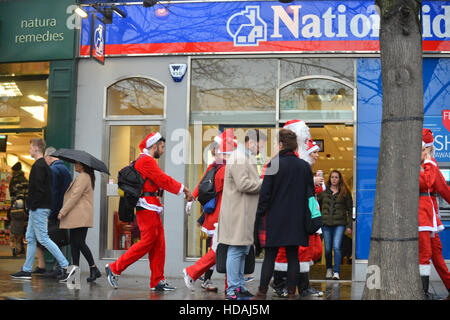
(393, 267)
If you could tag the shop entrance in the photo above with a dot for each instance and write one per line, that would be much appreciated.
(336, 153)
(23, 116)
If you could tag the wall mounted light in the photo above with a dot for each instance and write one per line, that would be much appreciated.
(81, 12)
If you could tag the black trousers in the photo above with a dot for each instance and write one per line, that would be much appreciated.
(78, 244)
(268, 266)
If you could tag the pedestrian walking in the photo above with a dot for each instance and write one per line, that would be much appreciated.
(336, 206)
(61, 180)
(148, 217)
(282, 205)
(77, 215)
(431, 183)
(18, 190)
(207, 262)
(39, 203)
(238, 210)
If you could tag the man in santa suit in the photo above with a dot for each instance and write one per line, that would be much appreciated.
(192, 273)
(308, 151)
(148, 210)
(431, 182)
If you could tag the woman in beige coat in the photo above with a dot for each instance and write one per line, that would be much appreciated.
(77, 215)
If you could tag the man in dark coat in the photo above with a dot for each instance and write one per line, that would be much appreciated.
(61, 179)
(283, 201)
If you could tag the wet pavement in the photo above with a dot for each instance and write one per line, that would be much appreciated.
(137, 288)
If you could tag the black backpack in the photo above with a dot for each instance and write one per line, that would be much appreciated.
(206, 188)
(130, 181)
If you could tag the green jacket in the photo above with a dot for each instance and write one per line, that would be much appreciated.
(335, 210)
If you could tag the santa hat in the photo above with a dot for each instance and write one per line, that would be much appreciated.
(149, 140)
(293, 125)
(427, 137)
(302, 131)
(227, 141)
(311, 146)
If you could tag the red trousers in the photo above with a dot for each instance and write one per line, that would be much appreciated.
(202, 265)
(431, 248)
(152, 243)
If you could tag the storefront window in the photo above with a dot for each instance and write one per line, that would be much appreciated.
(317, 99)
(226, 86)
(294, 68)
(135, 97)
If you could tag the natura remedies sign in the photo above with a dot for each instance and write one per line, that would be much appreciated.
(33, 30)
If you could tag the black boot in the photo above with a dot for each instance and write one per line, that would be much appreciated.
(94, 274)
(425, 283)
(303, 283)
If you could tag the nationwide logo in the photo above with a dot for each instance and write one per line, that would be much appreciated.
(322, 22)
(247, 28)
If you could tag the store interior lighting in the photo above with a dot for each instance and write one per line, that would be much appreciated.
(9, 89)
(37, 112)
(36, 98)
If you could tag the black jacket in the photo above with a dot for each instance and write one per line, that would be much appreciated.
(283, 200)
(40, 186)
(335, 210)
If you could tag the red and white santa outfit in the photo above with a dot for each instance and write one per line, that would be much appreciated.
(148, 210)
(430, 247)
(228, 144)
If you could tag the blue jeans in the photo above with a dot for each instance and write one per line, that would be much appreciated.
(235, 268)
(37, 231)
(332, 238)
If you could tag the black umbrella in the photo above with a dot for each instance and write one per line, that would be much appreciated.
(82, 157)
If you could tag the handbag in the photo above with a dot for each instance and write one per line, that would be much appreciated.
(57, 235)
(313, 216)
(221, 259)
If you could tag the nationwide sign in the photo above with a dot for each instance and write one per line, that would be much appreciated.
(440, 126)
(266, 26)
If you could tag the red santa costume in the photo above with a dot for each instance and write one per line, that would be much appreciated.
(430, 246)
(148, 210)
(192, 273)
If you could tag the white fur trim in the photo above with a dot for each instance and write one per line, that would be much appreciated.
(430, 144)
(218, 139)
(210, 233)
(152, 207)
(430, 161)
(424, 269)
(152, 140)
(280, 266)
(181, 190)
(315, 148)
(304, 266)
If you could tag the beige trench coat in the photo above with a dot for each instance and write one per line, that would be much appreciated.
(239, 199)
(78, 206)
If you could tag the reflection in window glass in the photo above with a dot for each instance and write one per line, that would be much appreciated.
(316, 94)
(233, 84)
(292, 68)
(135, 96)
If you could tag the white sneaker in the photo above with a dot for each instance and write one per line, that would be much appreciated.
(335, 276)
(188, 280)
(329, 274)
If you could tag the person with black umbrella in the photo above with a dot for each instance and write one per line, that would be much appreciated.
(77, 212)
